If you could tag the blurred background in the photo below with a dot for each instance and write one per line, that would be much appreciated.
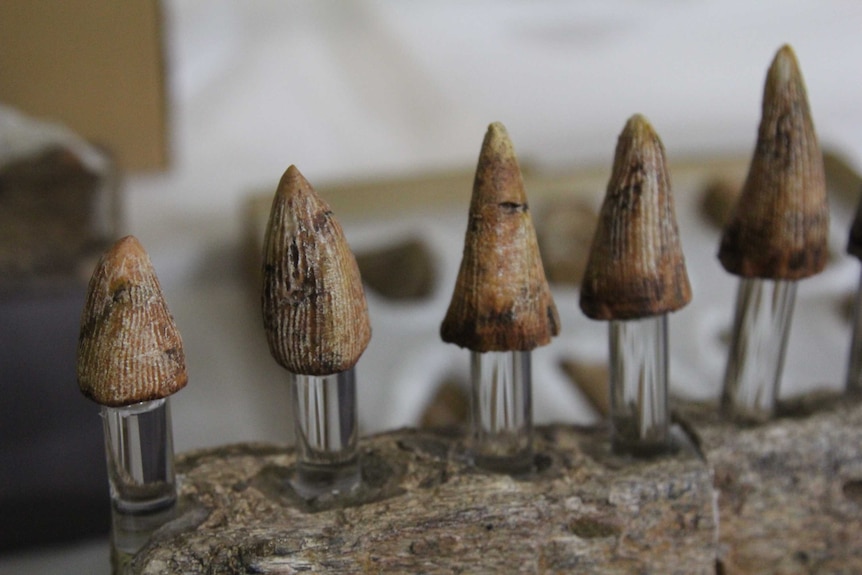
(174, 121)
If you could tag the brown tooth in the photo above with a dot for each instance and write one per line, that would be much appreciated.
(854, 243)
(501, 301)
(129, 349)
(636, 266)
(314, 310)
(780, 225)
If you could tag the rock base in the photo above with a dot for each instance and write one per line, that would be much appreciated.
(784, 497)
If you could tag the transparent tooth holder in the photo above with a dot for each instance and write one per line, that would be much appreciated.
(140, 452)
(326, 434)
(502, 413)
(639, 385)
(761, 326)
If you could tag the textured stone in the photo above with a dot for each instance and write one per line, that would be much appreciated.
(788, 496)
(422, 509)
(790, 492)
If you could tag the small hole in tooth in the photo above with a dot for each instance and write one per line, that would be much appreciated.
(513, 207)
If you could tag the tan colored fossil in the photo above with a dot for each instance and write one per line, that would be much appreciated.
(129, 349)
(501, 300)
(636, 266)
(314, 310)
(780, 225)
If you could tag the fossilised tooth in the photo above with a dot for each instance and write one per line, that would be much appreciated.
(777, 235)
(501, 308)
(130, 359)
(780, 225)
(317, 326)
(635, 276)
(636, 266)
(501, 300)
(129, 349)
(314, 308)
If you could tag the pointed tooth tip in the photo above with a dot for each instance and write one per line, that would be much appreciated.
(126, 257)
(293, 183)
(639, 125)
(498, 129)
(497, 140)
(127, 246)
(498, 176)
(292, 175)
(784, 66)
(786, 52)
(638, 120)
(639, 138)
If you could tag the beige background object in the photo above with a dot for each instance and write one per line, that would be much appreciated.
(94, 65)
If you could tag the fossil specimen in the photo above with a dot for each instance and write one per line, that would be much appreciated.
(635, 276)
(780, 225)
(316, 322)
(636, 266)
(777, 235)
(314, 309)
(501, 300)
(129, 349)
(501, 308)
(130, 360)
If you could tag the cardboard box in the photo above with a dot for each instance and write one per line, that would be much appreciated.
(93, 65)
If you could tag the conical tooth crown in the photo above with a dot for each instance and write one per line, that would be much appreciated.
(636, 267)
(129, 349)
(780, 225)
(314, 310)
(502, 301)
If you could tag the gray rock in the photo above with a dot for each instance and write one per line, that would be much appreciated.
(780, 498)
(423, 509)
